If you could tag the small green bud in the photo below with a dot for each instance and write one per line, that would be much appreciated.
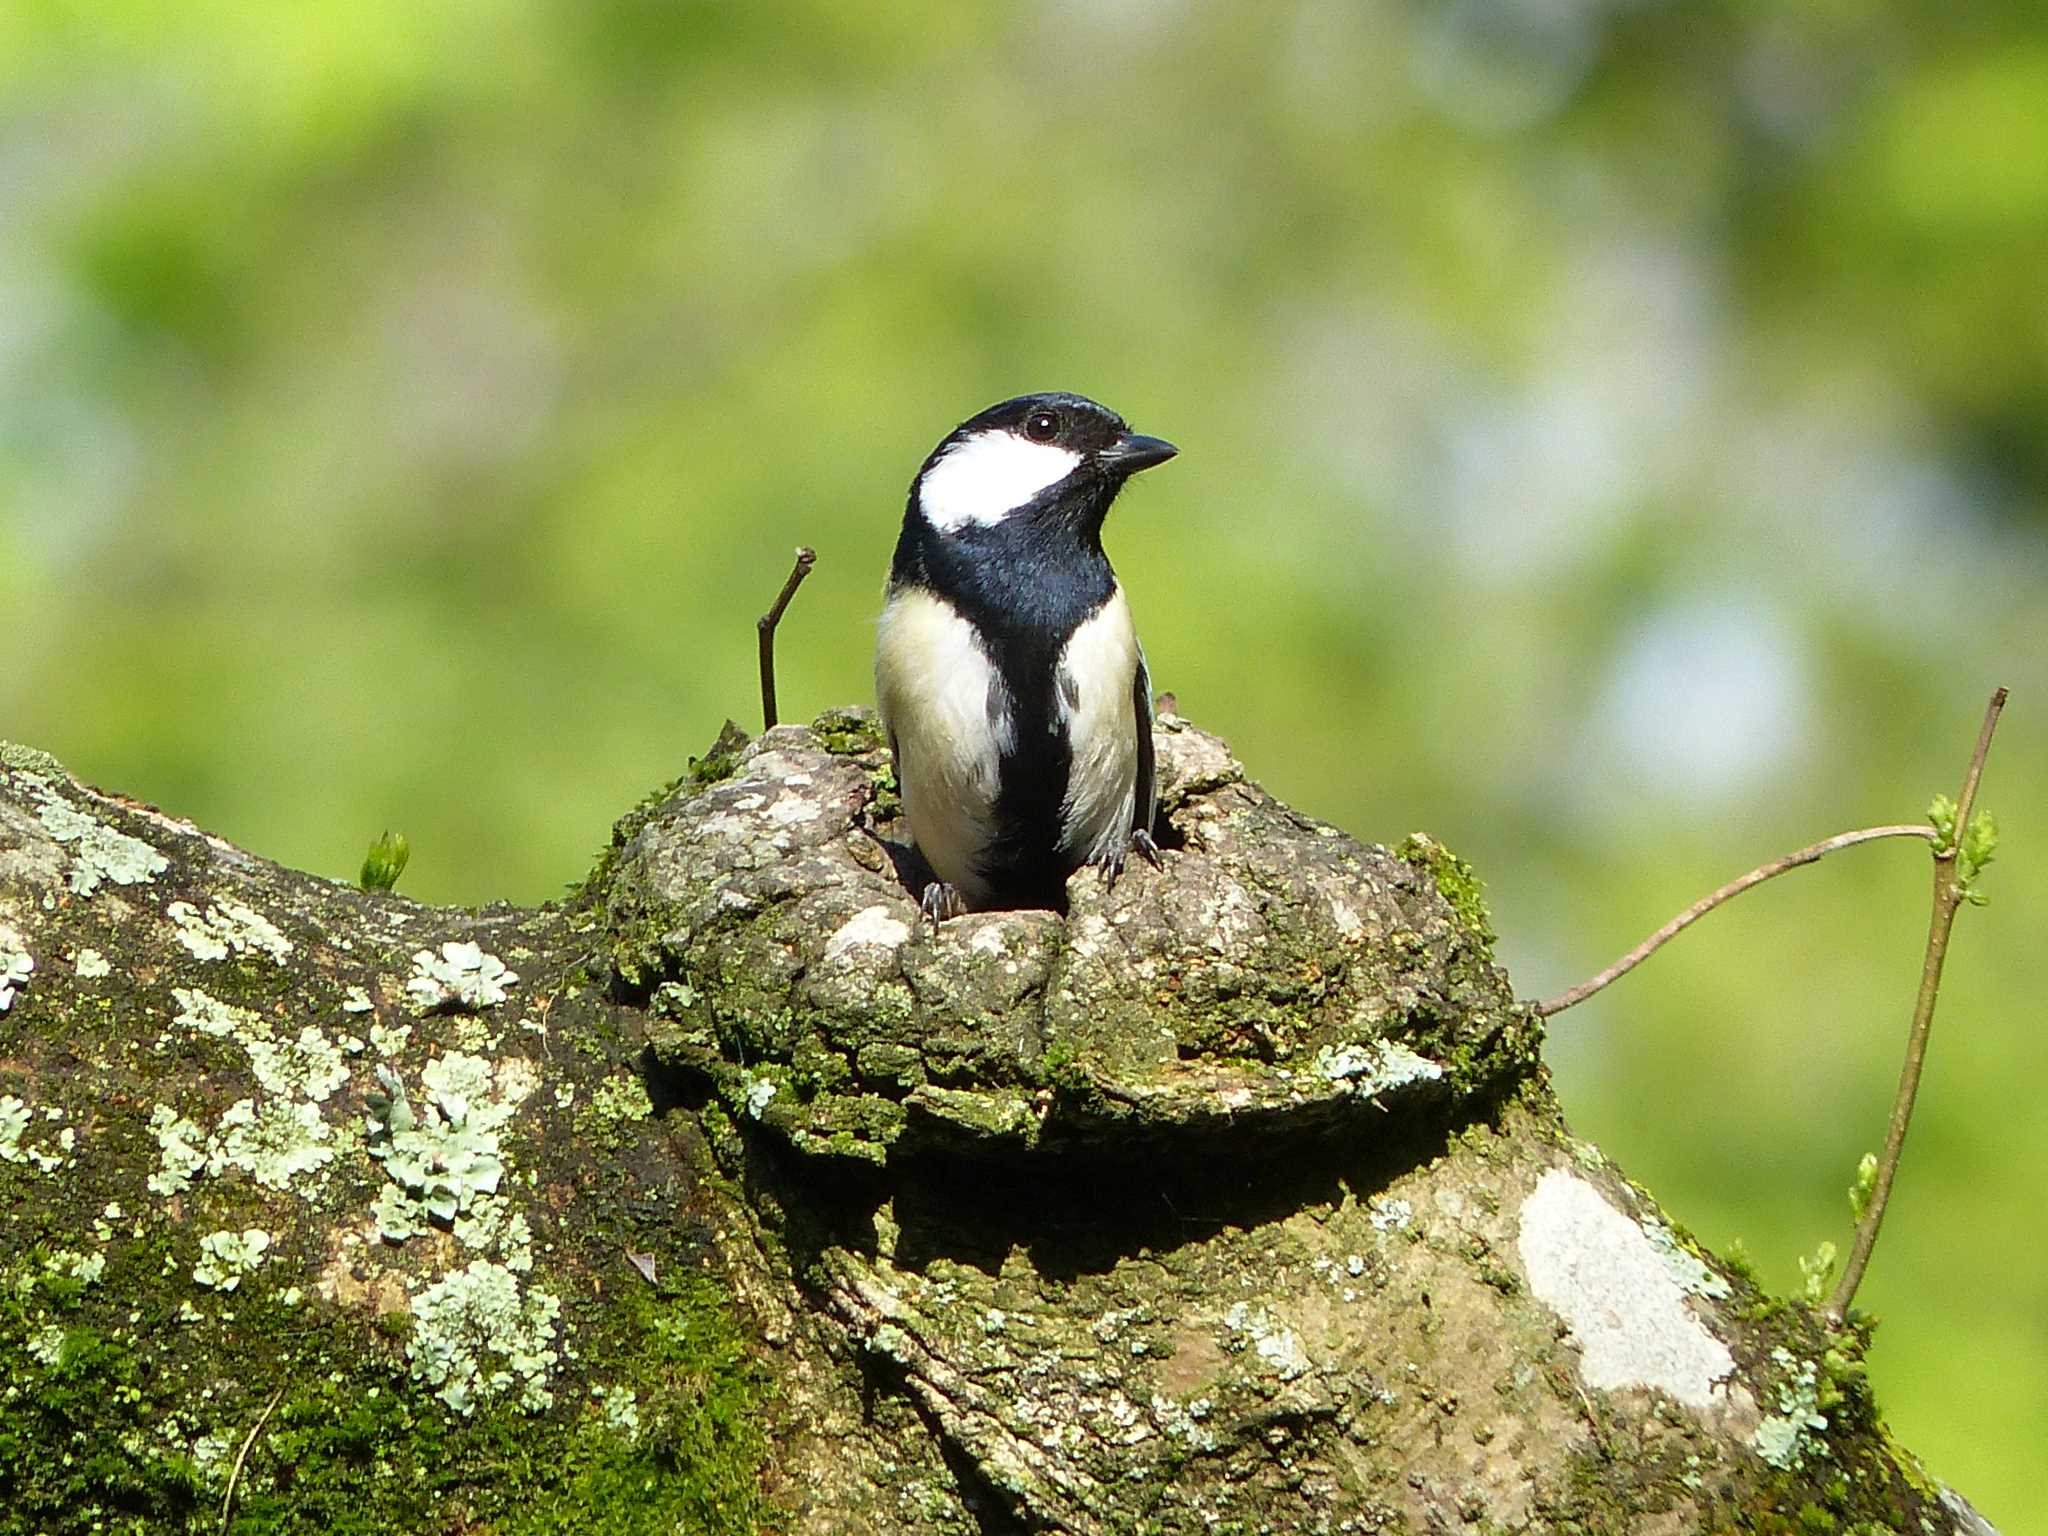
(1818, 1268)
(1941, 813)
(1866, 1183)
(385, 862)
(1979, 843)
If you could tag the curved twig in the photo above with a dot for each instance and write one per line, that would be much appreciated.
(227, 1503)
(1728, 892)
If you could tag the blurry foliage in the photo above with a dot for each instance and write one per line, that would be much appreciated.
(1612, 441)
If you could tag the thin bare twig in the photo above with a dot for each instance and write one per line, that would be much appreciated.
(1706, 904)
(227, 1503)
(806, 557)
(1949, 895)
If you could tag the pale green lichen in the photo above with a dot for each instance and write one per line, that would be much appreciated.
(15, 964)
(620, 1098)
(476, 1338)
(491, 1225)
(229, 928)
(29, 760)
(1788, 1437)
(760, 1091)
(389, 1040)
(85, 1268)
(356, 1000)
(15, 1120)
(1390, 1214)
(180, 1151)
(309, 1066)
(46, 1345)
(99, 854)
(621, 1407)
(1375, 1067)
(445, 1158)
(1692, 1275)
(91, 965)
(223, 1021)
(224, 1257)
(462, 976)
(274, 1143)
(1279, 1347)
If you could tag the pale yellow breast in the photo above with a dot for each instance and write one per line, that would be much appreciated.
(1098, 669)
(941, 702)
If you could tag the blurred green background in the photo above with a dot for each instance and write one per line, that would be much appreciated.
(1613, 441)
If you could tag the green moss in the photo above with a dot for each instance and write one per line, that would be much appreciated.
(1455, 878)
(849, 732)
(349, 1450)
(720, 761)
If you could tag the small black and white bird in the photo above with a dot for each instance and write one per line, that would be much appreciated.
(1010, 678)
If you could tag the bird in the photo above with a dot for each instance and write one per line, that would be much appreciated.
(1011, 684)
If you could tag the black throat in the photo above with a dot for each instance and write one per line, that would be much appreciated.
(1025, 584)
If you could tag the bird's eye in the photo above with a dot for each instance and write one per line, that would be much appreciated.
(1041, 426)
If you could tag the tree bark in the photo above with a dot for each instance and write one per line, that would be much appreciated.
(727, 1195)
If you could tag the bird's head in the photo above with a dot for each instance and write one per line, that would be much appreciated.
(1053, 457)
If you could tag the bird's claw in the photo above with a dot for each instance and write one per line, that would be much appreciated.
(941, 901)
(1111, 865)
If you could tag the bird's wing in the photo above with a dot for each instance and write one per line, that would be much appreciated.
(1145, 804)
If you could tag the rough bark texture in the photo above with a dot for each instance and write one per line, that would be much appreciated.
(727, 1196)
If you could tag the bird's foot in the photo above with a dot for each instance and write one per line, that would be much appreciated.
(1111, 865)
(941, 901)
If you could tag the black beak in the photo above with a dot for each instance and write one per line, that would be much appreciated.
(1131, 453)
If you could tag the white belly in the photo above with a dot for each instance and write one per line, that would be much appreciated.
(1098, 670)
(944, 707)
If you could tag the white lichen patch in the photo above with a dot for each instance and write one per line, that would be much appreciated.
(229, 928)
(91, 965)
(1183, 1421)
(871, 927)
(477, 1338)
(15, 1147)
(274, 1143)
(46, 1345)
(760, 1091)
(461, 976)
(224, 1257)
(1388, 1214)
(1686, 1267)
(1375, 1067)
(492, 1226)
(445, 1158)
(208, 1015)
(389, 1040)
(356, 1000)
(1274, 1344)
(1788, 1437)
(15, 965)
(99, 854)
(1602, 1274)
(85, 1268)
(13, 1122)
(308, 1067)
(181, 1151)
(621, 1407)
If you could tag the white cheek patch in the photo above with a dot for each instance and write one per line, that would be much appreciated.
(984, 478)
